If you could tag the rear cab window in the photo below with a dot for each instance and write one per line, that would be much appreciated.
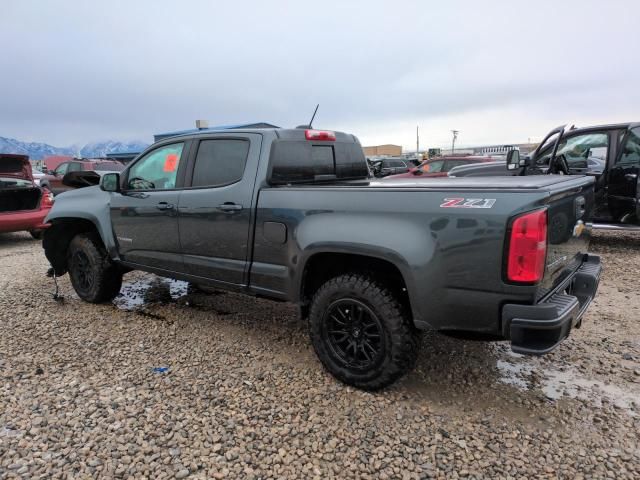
(293, 159)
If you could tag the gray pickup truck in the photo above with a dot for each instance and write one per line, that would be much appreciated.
(292, 215)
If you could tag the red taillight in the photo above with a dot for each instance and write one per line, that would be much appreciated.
(528, 248)
(47, 198)
(321, 135)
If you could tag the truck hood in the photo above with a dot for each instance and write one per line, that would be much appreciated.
(15, 166)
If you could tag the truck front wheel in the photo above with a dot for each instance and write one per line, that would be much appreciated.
(361, 332)
(93, 276)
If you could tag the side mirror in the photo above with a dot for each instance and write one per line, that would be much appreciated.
(110, 182)
(513, 159)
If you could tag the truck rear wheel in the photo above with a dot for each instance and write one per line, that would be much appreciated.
(93, 276)
(361, 333)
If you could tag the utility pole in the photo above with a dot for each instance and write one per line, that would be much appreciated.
(417, 141)
(453, 142)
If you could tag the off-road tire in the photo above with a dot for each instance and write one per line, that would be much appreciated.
(400, 338)
(93, 275)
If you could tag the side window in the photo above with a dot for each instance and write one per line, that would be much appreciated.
(454, 163)
(74, 167)
(62, 168)
(433, 167)
(157, 169)
(631, 149)
(581, 151)
(220, 162)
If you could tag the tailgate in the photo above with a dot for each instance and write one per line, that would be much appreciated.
(570, 208)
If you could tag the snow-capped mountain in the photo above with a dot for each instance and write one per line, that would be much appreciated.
(37, 150)
(100, 149)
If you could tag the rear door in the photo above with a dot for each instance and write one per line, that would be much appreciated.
(623, 177)
(215, 211)
(449, 164)
(145, 214)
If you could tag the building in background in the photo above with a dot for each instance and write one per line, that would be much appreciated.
(492, 150)
(124, 157)
(524, 148)
(202, 125)
(383, 150)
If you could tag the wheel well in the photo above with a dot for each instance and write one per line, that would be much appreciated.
(57, 238)
(321, 267)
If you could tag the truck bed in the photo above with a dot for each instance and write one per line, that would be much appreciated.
(454, 256)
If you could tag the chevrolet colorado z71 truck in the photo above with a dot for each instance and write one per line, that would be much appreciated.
(292, 215)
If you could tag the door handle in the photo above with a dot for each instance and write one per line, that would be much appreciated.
(164, 206)
(230, 207)
(631, 176)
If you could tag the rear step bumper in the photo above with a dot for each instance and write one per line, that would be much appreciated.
(538, 329)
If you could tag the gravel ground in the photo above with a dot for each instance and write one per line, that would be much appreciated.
(171, 384)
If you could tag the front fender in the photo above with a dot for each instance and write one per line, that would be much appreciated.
(92, 204)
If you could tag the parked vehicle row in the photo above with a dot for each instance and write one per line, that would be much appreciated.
(78, 173)
(293, 215)
(439, 166)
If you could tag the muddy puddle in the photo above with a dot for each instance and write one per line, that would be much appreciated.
(150, 289)
(527, 373)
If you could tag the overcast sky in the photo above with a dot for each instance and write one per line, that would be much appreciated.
(498, 71)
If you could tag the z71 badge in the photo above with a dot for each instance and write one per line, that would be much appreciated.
(468, 203)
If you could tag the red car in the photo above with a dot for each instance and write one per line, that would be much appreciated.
(23, 204)
(439, 166)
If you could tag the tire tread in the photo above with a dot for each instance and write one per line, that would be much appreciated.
(404, 339)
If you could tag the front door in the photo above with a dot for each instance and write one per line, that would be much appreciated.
(586, 153)
(55, 179)
(215, 207)
(623, 178)
(145, 214)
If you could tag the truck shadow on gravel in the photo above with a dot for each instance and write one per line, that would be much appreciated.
(447, 368)
(451, 374)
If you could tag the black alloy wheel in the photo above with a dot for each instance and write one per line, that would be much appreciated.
(354, 334)
(84, 272)
(362, 331)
